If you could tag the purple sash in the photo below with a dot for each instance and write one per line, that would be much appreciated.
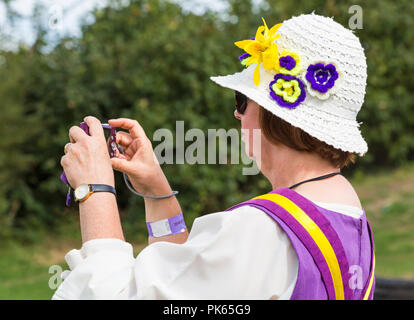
(308, 250)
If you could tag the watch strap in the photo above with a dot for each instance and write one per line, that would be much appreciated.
(166, 227)
(102, 188)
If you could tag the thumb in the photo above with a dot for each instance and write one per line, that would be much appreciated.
(121, 165)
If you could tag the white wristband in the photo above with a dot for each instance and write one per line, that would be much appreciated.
(167, 227)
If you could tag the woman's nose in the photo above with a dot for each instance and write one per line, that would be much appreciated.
(237, 115)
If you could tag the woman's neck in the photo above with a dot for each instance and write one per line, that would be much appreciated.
(289, 167)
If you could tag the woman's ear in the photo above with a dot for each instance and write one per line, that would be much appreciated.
(237, 115)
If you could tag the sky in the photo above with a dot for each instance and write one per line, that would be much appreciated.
(64, 17)
(70, 13)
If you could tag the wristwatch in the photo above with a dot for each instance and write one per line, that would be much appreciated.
(84, 191)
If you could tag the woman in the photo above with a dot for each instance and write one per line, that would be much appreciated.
(303, 85)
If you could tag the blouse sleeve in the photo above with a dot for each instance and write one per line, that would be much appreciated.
(240, 254)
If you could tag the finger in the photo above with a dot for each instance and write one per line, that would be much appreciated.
(76, 134)
(121, 165)
(64, 161)
(128, 152)
(66, 148)
(121, 156)
(123, 138)
(133, 126)
(95, 126)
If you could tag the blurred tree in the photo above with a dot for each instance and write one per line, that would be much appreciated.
(150, 61)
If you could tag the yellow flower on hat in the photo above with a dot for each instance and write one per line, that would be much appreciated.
(262, 49)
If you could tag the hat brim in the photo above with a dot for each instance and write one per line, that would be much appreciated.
(340, 132)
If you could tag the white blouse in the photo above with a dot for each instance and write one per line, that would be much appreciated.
(239, 254)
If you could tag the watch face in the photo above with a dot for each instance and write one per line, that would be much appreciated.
(81, 191)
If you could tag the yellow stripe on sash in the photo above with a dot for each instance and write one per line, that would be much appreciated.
(371, 280)
(317, 235)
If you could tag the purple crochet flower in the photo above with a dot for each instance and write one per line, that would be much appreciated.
(287, 62)
(321, 77)
(287, 91)
(244, 56)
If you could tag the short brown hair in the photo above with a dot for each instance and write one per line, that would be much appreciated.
(277, 130)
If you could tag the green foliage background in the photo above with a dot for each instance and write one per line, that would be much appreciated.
(151, 61)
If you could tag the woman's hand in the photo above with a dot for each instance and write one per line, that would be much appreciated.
(87, 159)
(141, 165)
(138, 161)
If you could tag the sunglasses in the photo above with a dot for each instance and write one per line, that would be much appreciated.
(241, 102)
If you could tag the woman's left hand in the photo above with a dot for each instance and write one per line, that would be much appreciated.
(87, 159)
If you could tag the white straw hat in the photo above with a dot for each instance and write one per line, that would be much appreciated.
(317, 82)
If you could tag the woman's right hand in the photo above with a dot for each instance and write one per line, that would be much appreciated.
(138, 161)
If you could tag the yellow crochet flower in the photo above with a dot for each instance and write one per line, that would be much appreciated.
(262, 49)
(289, 62)
(289, 90)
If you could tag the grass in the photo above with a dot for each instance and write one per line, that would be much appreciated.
(24, 270)
(25, 274)
(388, 199)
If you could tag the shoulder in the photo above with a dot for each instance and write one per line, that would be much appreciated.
(242, 214)
(246, 221)
(337, 190)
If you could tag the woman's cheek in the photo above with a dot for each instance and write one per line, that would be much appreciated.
(256, 143)
(252, 142)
